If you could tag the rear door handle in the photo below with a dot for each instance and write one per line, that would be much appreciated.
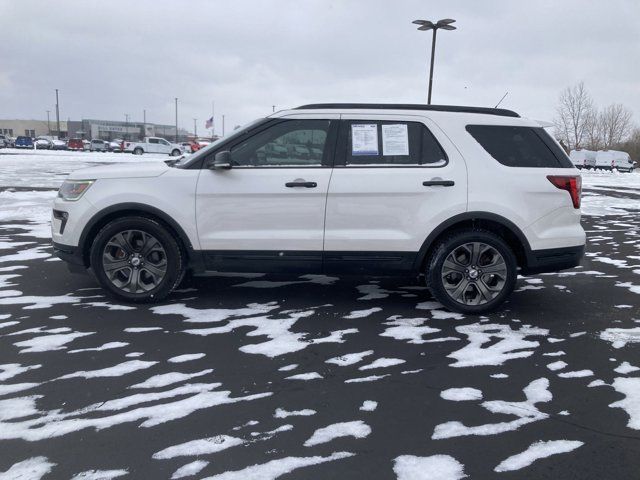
(301, 184)
(441, 183)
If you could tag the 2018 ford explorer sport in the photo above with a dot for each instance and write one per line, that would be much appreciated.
(466, 196)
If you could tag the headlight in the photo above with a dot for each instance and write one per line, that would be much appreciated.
(74, 189)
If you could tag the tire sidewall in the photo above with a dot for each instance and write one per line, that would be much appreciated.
(434, 269)
(175, 262)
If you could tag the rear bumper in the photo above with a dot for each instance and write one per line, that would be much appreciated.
(553, 259)
(71, 255)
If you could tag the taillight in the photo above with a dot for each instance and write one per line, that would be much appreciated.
(573, 185)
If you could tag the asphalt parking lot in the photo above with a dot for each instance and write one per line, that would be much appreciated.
(239, 377)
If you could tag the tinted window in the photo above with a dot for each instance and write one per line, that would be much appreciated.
(391, 143)
(154, 140)
(520, 146)
(288, 143)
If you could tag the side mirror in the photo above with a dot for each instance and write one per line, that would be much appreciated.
(222, 161)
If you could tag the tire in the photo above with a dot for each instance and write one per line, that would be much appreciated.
(175, 152)
(155, 273)
(137, 151)
(483, 291)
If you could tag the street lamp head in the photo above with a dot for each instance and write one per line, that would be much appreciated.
(446, 21)
(424, 24)
(446, 27)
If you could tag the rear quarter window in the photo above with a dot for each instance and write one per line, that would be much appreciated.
(520, 146)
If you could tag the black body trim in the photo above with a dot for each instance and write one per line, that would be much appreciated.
(71, 255)
(410, 106)
(263, 261)
(553, 259)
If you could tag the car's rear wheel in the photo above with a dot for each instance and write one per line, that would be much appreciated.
(137, 259)
(137, 151)
(471, 271)
(175, 152)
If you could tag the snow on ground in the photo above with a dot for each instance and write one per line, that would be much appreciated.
(356, 429)
(535, 452)
(435, 467)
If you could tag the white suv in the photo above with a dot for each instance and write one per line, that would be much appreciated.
(466, 196)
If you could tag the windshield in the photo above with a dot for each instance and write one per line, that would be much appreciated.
(188, 160)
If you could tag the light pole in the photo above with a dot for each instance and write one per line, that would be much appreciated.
(57, 115)
(195, 128)
(425, 25)
(126, 128)
(176, 119)
(48, 124)
(223, 125)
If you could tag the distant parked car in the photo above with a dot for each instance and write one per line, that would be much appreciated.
(42, 143)
(153, 145)
(24, 142)
(58, 144)
(4, 141)
(614, 160)
(98, 145)
(75, 144)
(583, 158)
(86, 145)
(187, 147)
(115, 147)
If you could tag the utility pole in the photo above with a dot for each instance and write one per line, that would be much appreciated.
(273, 108)
(144, 116)
(57, 114)
(176, 119)
(126, 128)
(195, 128)
(223, 125)
(48, 124)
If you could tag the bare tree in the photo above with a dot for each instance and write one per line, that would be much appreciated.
(573, 114)
(594, 134)
(615, 123)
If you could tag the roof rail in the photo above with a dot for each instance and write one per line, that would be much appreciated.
(410, 106)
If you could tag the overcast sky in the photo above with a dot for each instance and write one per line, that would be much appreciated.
(114, 57)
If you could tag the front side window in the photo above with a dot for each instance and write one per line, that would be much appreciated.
(391, 143)
(290, 143)
(520, 146)
(164, 142)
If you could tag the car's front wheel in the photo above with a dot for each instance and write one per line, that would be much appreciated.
(471, 271)
(175, 152)
(137, 259)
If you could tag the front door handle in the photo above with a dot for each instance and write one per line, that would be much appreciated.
(301, 184)
(441, 183)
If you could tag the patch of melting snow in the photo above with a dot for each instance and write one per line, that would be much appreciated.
(186, 358)
(619, 337)
(47, 343)
(100, 474)
(19, 407)
(278, 467)
(202, 446)
(630, 388)
(630, 286)
(409, 329)
(369, 406)
(576, 374)
(106, 346)
(559, 353)
(281, 413)
(288, 368)
(503, 344)
(356, 429)
(164, 379)
(10, 370)
(115, 371)
(37, 302)
(559, 365)
(272, 433)
(625, 367)
(32, 469)
(461, 394)
(305, 376)
(525, 411)
(435, 467)
(213, 315)
(8, 324)
(141, 329)
(536, 451)
(382, 363)
(362, 313)
(7, 389)
(370, 378)
(189, 469)
(499, 375)
(349, 358)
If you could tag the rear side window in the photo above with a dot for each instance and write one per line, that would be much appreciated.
(391, 143)
(520, 146)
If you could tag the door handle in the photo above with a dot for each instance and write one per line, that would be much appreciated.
(301, 184)
(441, 183)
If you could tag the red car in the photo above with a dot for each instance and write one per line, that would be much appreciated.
(75, 144)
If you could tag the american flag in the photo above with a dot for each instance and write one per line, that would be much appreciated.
(209, 123)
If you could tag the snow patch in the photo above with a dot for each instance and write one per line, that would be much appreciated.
(357, 429)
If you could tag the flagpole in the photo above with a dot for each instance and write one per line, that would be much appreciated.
(213, 118)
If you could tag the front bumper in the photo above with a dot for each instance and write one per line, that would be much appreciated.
(72, 255)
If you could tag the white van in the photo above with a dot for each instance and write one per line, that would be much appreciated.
(583, 158)
(614, 159)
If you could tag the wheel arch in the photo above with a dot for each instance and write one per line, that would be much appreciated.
(492, 222)
(108, 214)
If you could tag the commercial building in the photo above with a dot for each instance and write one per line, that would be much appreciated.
(32, 128)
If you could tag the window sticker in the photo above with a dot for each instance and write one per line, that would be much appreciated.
(364, 139)
(395, 139)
